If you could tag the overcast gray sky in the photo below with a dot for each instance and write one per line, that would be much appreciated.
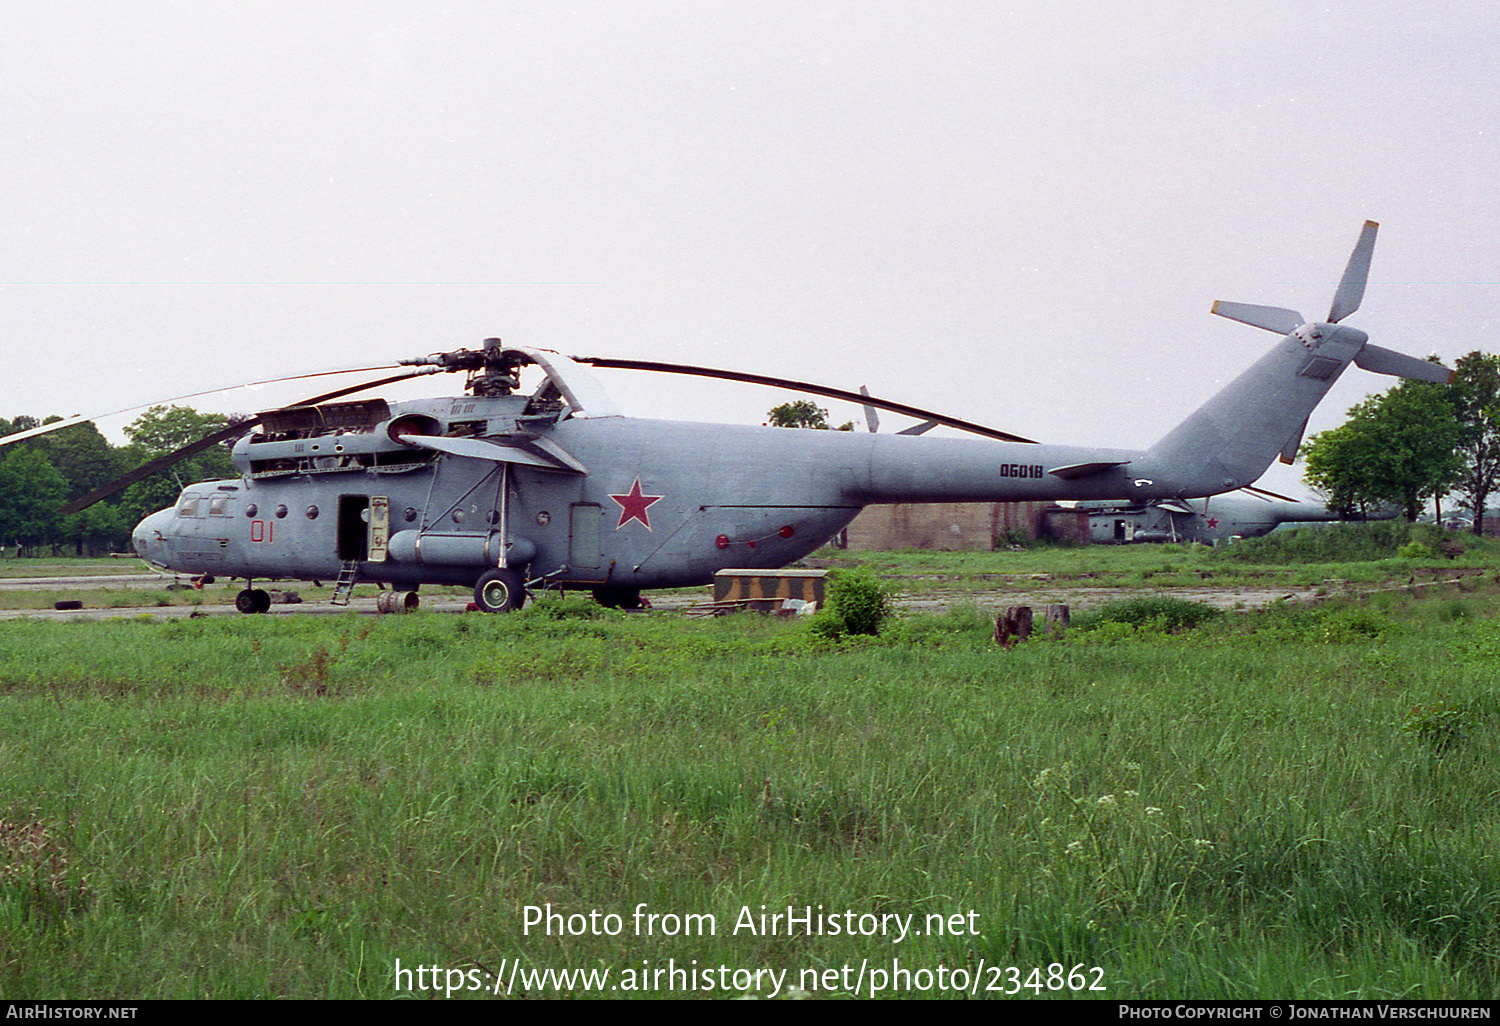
(1019, 213)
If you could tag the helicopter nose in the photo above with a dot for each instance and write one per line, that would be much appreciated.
(150, 539)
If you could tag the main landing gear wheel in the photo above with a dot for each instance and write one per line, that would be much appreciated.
(618, 598)
(499, 591)
(253, 600)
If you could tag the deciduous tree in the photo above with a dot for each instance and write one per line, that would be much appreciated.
(159, 431)
(800, 413)
(1398, 448)
(803, 413)
(1476, 400)
(31, 490)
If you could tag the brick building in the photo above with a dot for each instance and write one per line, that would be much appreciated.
(952, 526)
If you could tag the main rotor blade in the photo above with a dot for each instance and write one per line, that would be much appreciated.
(223, 435)
(802, 386)
(58, 425)
(145, 470)
(1352, 289)
(351, 389)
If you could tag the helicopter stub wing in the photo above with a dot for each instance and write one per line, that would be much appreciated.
(541, 453)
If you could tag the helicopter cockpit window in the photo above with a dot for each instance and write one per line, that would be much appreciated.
(218, 506)
(187, 506)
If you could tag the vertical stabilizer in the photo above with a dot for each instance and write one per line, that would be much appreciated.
(1230, 440)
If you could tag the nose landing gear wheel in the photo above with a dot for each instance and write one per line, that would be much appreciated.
(499, 591)
(253, 600)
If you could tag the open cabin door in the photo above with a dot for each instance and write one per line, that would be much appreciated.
(364, 528)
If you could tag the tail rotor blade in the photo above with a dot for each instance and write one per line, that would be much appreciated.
(1352, 289)
(1384, 361)
(1272, 318)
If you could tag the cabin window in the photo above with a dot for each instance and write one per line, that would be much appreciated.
(251, 510)
(281, 511)
(312, 512)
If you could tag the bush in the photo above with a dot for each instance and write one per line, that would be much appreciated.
(856, 602)
(1157, 612)
(1346, 543)
(1440, 727)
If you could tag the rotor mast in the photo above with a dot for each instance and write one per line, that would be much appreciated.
(493, 370)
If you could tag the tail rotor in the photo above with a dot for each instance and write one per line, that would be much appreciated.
(1351, 292)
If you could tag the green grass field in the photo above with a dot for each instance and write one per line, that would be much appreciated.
(1295, 802)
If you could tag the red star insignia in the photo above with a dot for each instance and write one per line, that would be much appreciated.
(1213, 522)
(633, 505)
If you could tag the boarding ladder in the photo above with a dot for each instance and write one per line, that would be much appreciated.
(348, 574)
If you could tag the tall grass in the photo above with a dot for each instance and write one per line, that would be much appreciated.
(259, 806)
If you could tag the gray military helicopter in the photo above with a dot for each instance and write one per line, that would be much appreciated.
(1243, 514)
(506, 490)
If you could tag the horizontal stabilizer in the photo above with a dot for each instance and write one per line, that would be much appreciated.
(1272, 318)
(1385, 361)
(1072, 471)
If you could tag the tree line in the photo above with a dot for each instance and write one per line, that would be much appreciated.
(41, 475)
(1418, 442)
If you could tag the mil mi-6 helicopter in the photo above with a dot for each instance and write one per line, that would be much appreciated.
(1248, 513)
(505, 491)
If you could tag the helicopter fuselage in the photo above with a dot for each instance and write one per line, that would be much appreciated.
(606, 502)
